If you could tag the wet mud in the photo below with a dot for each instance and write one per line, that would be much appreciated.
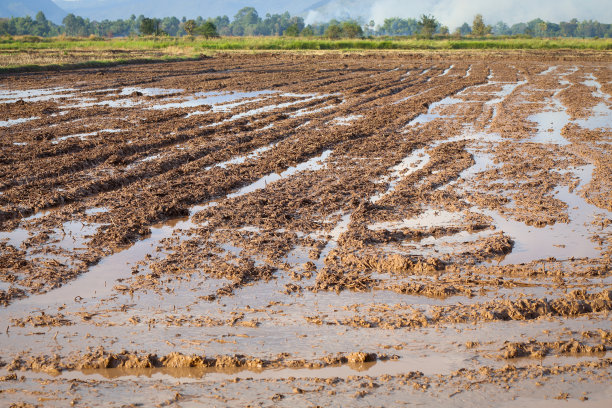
(281, 229)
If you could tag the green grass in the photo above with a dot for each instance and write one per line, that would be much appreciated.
(276, 43)
(284, 43)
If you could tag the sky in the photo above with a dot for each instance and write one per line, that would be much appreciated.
(454, 12)
(451, 13)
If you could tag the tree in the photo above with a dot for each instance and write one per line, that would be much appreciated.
(444, 30)
(292, 31)
(149, 26)
(42, 26)
(518, 28)
(569, 29)
(427, 25)
(307, 32)
(75, 26)
(399, 26)
(208, 30)
(170, 26)
(189, 26)
(246, 16)
(501, 28)
(351, 29)
(333, 31)
(465, 29)
(479, 28)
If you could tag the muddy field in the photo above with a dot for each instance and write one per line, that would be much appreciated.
(299, 230)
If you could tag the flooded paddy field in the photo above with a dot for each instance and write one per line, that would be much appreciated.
(298, 230)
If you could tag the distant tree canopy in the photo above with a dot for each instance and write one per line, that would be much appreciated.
(399, 26)
(292, 31)
(307, 32)
(189, 26)
(149, 26)
(427, 25)
(207, 30)
(479, 28)
(351, 29)
(333, 31)
(346, 29)
(248, 22)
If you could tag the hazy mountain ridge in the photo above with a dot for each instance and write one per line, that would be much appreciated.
(22, 8)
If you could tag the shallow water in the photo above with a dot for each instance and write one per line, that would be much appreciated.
(346, 120)
(36, 95)
(214, 99)
(312, 164)
(415, 161)
(427, 219)
(600, 118)
(84, 136)
(13, 122)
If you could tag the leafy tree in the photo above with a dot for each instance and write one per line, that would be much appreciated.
(465, 29)
(41, 26)
(246, 16)
(334, 31)
(170, 25)
(399, 26)
(501, 28)
(351, 29)
(189, 26)
(479, 28)
(292, 31)
(76, 26)
(307, 32)
(221, 21)
(569, 29)
(208, 30)
(427, 25)
(444, 30)
(518, 28)
(40, 18)
(149, 26)
(245, 21)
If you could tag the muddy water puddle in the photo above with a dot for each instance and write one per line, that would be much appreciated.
(13, 122)
(35, 95)
(85, 136)
(601, 118)
(428, 366)
(310, 165)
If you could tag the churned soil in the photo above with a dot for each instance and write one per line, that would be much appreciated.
(333, 229)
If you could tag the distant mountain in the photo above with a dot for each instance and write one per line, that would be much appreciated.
(115, 9)
(22, 8)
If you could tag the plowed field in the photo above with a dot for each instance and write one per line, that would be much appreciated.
(297, 230)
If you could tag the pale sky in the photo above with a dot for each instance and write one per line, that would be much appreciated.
(455, 12)
(449, 12)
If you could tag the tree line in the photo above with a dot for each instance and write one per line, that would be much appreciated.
(247, 22)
